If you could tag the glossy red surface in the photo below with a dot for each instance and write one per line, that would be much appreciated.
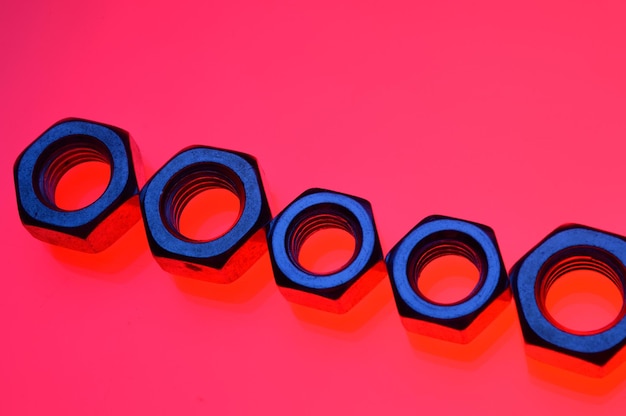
(508, 114)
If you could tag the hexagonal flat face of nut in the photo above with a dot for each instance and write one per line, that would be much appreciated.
(314, 210)
(64, 145)
(568, 248)
(438, 236)
(191, 171)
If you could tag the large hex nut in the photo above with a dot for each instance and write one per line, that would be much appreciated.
(568, 248)
(193, 170)
(314, 210)
(438, 236)
(66, 144)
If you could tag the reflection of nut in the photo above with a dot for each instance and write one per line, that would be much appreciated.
(163, 199)
(566, 249)
(63, 146)
(438, 236)
(314, 210)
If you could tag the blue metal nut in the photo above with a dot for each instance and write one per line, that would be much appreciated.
(341, 289)
(569, 248)
(191, 171)
(432, 238)
(41, 165)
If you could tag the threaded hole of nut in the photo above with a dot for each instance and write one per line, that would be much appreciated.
(73, 173)
(325, 240)
(445, 271)
(582, 294)
(203, 202)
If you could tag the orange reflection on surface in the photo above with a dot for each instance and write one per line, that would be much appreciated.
(460, 336)
(114, 260)
(571, 375)
(347, 300)
(584, 301)
(574, 364)
(471, 351)
(326, 250)
(448, 279)
(353, 319)
(238, 291)
(82, 185)
(209, 214)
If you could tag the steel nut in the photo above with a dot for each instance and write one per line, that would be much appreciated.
(569, 248)
(341, 289)
(41, 165)
(163, 199)
(432, 238)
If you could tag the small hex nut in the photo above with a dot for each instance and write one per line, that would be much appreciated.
(317, 209)
(437, 236)
(41, 165)
(191, 171)
(568, 248)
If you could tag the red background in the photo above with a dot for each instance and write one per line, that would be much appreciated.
(505, 113)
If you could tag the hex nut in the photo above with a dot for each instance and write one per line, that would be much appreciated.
(191, 171)
(568, 248)
(437, 236)
(41, 165)
(317, 209)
